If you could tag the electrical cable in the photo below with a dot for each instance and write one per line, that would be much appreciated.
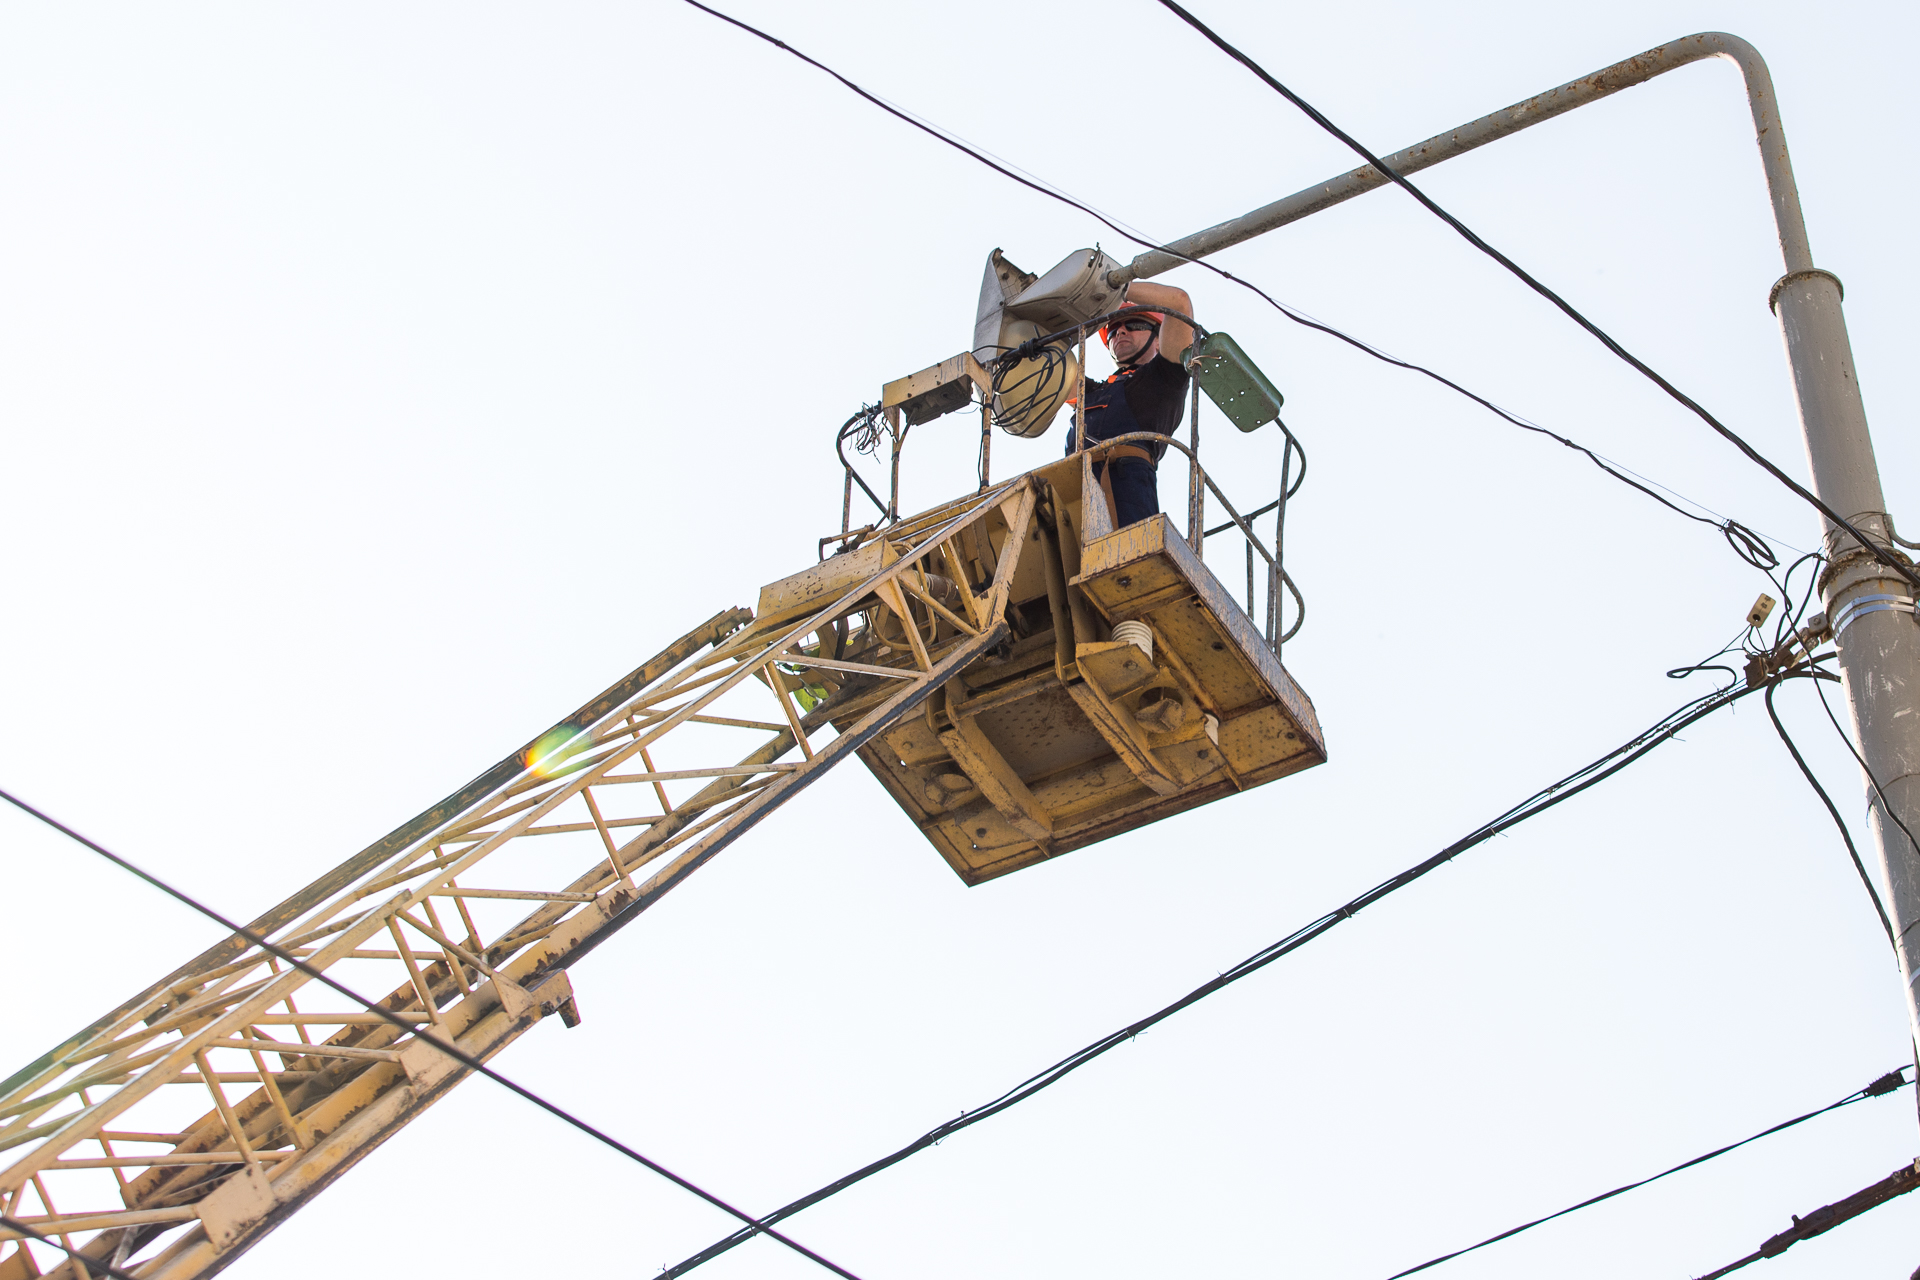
(1902, 1181)
(1772, 539)
(1744, 542)
(1754, 455)
(1888, 1083)
(864, 428)
(1886, 805)
(1791, 629)
(1748, 545)
(82, 1262)
(1014, 400)
(458, 1055)
(1786, 633)
(1565, 789)
(1845, 835)
(1707, 663)
(1789, 623)
(1789, 626)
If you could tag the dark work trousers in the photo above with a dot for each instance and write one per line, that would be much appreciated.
(1136, 492)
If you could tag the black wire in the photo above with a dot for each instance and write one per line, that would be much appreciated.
(1039, 384)
(1565, 789)
(458, 1055)
(1708, 664)
(1886, 805)
(1845, 835)
(862, 424)
(80, 1259)
(1879, 553)
(1886, 1084)
(1745, 543)
(1788, 624)
(1792, 626)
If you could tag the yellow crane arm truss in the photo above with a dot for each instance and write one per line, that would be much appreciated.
(115, 1150)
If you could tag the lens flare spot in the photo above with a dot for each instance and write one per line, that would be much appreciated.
(553, 749)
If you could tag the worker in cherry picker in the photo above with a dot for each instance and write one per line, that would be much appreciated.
(1147, 392)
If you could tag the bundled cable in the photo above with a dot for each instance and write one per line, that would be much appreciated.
(1025, 385)
(864, 429)
(1539, 802)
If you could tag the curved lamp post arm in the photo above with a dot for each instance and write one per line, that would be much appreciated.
(1511, 120)
(1873, 612)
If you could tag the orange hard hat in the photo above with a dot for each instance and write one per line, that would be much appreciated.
(1158, 317)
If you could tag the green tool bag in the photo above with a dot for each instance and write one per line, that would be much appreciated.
(1234, 382)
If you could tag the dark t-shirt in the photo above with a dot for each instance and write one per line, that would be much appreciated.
(1150, 397)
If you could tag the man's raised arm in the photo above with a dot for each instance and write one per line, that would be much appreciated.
(1175, 335)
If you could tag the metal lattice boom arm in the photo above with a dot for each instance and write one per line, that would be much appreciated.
(114, 1145)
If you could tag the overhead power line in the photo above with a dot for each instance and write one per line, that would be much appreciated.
(1888, 1083)
(1607, 340)
(1546, 798)
(458, 1055)
(1824, 1219)
(1749, 546)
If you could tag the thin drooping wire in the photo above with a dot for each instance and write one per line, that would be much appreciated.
(1773, 539)
(1748, 545)
(81, 1260)
(1845, 835)
(1886, 805)
(1754, 455)
(1888, 1083)
(1565, 789)
(458, 1055)
(1735, 645)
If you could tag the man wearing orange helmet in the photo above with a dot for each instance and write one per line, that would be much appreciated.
(1147, 392)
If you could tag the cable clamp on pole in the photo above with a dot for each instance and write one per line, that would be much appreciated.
(1861, 606)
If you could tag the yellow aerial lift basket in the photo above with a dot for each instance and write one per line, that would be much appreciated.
(1129, 684)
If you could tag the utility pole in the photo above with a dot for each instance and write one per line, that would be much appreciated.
(1870, 608)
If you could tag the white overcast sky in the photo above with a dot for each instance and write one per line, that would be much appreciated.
(378, 382)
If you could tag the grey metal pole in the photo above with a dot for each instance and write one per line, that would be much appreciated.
(1872, 610)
